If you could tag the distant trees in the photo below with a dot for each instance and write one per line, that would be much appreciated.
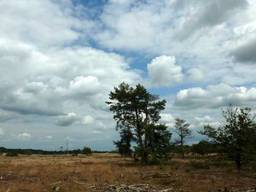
(205, 147)
(201, 148)
(137, 113)
(183, 131)
(237, 134)
(85, 150)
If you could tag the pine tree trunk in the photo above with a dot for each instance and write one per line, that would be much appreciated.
(238, 161)
(182, 148)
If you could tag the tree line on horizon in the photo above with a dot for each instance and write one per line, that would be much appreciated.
(15, 152)
(142, 135)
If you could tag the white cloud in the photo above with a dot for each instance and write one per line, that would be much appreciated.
(85, 85)
(205, 120)
(87, 120)
(128, 26)
(50, 75)
(163, 71)
(49, 78)
(24, 136)
(72, 118)
(42, 22)
(49, 137)
(191, 92)
(197, 36)
(167, 119)
(195, 74)
(215, 96)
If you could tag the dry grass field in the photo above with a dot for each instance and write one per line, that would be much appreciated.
(92, 173)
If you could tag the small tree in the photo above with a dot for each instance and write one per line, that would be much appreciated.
(158, 142)
(237, 135)
(183, 131)
(124, 144)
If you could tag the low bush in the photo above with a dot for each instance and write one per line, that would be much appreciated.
(11, 154)
(87, 151)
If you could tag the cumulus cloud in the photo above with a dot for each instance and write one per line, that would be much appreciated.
(87, 120)
(24, 136)
(167, 119)
(40, 22)
(50, 76)
(201, 34)
(87, 85)
(69, 80)
(58, 68)
(19, 101)
(68, 119)
(71, 118)
(215, 96)
(205, 120)
(128, 25)
(211, 13)
(195, 74)
(163, 71)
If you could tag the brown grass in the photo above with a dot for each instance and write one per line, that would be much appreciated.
(79, 173)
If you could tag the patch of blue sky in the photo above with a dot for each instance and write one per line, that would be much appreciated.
(90, 9)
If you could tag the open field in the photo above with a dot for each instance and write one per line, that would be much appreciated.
(94, 173)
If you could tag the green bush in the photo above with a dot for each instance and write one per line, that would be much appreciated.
(87, 151)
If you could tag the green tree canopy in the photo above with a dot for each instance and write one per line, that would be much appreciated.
(138, 112)
(237, 135)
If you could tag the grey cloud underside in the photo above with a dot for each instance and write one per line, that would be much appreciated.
(6, 116)
(246, 53)
(31, 111)
(32, 105)
(219, 11)
(212, 13)
(65, 122)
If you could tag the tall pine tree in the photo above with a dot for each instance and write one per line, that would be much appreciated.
(137, 110)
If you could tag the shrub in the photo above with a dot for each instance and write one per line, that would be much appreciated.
(11, 154)
(87, 151)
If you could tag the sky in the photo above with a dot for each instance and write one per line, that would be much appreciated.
(59, 59)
